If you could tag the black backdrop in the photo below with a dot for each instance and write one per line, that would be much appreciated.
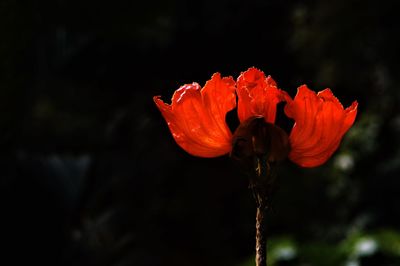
(90, 174)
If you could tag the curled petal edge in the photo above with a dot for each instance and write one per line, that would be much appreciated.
(320, 124)
(258, 95)
(196, 117)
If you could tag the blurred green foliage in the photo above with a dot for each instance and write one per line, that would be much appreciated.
(353, 250)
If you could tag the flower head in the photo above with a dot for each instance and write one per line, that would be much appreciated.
(196, 117)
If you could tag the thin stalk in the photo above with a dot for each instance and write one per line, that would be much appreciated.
(261, 184)
(261, 232)
(261, 238)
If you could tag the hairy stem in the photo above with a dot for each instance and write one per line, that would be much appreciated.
(261, 238)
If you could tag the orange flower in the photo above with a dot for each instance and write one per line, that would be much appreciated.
(321, 123)
(258, 95)
(196, 116)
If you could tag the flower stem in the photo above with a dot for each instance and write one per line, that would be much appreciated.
(261, 238)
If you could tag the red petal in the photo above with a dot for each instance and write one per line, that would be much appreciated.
(258, 95)
(196, 116)
(320, 124)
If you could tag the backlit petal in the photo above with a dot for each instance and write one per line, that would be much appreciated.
(258, 95)
(196, 117)
(320, 124)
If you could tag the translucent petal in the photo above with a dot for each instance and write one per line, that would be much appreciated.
(196, 117)
(320, 124)
(258, 95)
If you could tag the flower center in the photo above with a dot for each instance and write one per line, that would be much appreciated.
(257, 145)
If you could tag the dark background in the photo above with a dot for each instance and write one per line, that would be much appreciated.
(90, 174)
